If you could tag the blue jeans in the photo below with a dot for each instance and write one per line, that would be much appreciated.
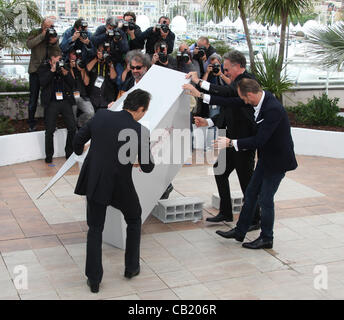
(261, 190)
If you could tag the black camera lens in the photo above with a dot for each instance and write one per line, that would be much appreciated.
(165, 28)
(117, 35)
(162, 57)
(216, 68)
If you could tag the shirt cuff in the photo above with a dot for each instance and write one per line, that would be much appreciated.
(206, 98)
(205, 85)
(235, 144)
(210, 122)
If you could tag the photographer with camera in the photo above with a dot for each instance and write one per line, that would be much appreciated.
(115, 41)
(41, 42)
(160, 32)
(133, 31)
(201, 51)
(78, 38)
(102, 85)
(56, 98)
(185, 62)
(161, 58)
(82, 102)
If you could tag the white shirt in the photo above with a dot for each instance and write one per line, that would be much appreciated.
(256, 113)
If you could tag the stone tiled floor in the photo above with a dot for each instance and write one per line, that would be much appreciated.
(180, 260)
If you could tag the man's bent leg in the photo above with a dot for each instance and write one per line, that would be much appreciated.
(251, 198)
(266, 201)
(95, 220)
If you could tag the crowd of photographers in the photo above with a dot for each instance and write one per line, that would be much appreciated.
(83, 72)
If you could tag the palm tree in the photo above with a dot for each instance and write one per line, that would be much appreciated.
(278, 12)
(16, 18)
(222, 7)
(329, 44)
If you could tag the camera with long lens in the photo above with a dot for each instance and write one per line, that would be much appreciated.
(128, 25)
(183, 56)
(50, 33)
(59, 65)
(117, 35)
(201, 51)
(78, 60)
(83, 31)
(162, 55)
(216, 68)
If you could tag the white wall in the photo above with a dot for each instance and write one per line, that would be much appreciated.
(318, 142)
(22, 147)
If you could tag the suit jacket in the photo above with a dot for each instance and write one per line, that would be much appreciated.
(234, 113)
(153, 37)
(273, 139)
(104, 177)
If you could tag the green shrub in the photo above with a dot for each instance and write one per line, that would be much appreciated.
(5, 126)
(14, 85)
(268, 78)
(318, 111)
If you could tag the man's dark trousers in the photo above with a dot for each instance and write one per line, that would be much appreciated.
(243, 163)
(34, 92)
(51, 112)
(261, 189)
(96, 214)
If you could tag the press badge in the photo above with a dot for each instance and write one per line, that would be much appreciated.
(59, 96)
(76, 94)
(99, 82)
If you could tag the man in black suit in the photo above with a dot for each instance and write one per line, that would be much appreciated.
(275, 156)
(106, 178)
(238, 122)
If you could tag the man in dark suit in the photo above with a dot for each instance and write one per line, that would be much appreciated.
(238, 122)
(275, 156)
(106, 178)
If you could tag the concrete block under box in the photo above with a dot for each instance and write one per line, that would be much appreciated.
(179, 209)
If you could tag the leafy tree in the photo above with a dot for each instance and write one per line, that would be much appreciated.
(221, 7)
(278, 12)
(17, 17)
(329, 44)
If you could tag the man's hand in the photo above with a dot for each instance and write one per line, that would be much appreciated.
(221, 143)
(75, 36)
(64, 71)
(86, 146)
(200, 122)
(194, 77)
(53, 67)
(110, 104)
(155, 58)
(131, 34)
(191, 90)
(85, 41)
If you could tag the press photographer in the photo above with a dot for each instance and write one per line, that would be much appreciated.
(133, 31)
(82, 106)
(56, 98)
(201, 51)
(160, 32)
(185, 62)
(102, 85)
(42, 43)
(78, 38)
(161, 58)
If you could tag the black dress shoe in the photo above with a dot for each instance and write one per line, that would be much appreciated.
(130, 274)
(220, 217)
(94, 287)
(254, 226)
(48, 160)
(258, 244)
(231, 234)
(167, 192)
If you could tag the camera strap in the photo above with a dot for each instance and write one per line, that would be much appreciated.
(103, 71)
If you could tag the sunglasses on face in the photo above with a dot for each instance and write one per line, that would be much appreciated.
(135, 67)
